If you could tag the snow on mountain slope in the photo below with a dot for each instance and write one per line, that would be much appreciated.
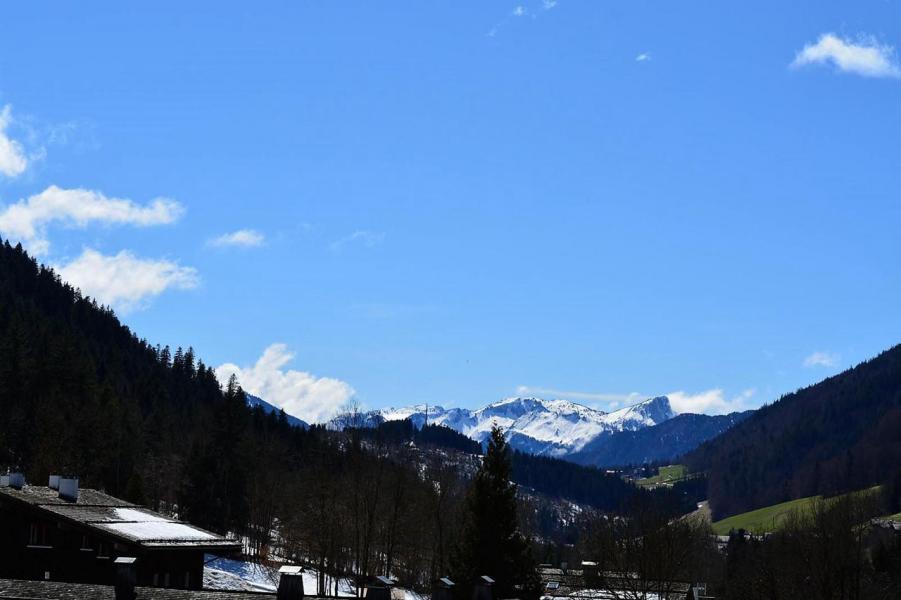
(549, 427)
(254, 401)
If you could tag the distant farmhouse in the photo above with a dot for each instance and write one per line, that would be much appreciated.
(62, 533)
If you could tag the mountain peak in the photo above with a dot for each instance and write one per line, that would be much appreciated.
(553, 427)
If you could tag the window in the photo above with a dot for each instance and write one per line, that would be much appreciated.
(166, 580)
(187, 580)
(102, 550)
(86, 543)
(39, 535)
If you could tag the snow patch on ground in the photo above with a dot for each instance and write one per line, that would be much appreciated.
(244, 576)
(239, 575)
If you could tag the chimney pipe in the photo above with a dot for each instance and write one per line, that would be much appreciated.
(379, 588)
(68, 488)
(126, 577)
(443, 589)
(53, 484)
(482, 588)
(16, 481)
(590, 573)
(290, 583)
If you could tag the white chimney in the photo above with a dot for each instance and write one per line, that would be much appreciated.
(68, 488)
(53, 484)
(16, 481)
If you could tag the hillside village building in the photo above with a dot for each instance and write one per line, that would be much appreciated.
(61, 533)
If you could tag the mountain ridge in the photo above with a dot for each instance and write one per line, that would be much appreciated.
(254, 401)
(555, 427)
(664, 442)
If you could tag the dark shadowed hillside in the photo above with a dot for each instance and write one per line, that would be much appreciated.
(841, 434)
(660, 443)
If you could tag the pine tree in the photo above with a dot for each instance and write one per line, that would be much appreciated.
(491, 543)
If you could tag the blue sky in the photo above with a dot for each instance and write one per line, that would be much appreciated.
(453, 202)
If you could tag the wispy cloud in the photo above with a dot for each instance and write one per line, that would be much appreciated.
(123, 280)
(643, 57)
(612, 400)
(866, 57)
(822, 359)
(13, 160)
(27, 220)
(245, 238)
(367, 239)
(299, 393)
(523, 10)
(711, 402)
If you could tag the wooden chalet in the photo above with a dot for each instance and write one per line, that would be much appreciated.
(61, 533)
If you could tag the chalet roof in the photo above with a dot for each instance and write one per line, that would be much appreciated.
(118, 519)
(41, 590)
(44, 496)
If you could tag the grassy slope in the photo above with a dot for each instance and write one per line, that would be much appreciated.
(667, 474)
(764, 519)
(769, 518)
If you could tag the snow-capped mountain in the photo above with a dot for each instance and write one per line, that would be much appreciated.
(534, 425)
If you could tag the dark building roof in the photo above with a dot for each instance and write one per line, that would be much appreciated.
(43, 496)
(45, 590)
(573, 583)
(119, 519)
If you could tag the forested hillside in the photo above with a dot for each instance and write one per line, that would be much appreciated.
(660, 443)
(841, 434)
(81, 394)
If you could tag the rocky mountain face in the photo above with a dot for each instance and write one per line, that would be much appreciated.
(545, 427)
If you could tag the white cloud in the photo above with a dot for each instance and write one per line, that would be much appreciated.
(549, 4)
(822, 359)
(246, 238)
(13, 161)
(643, 57)
(867, 57)
(123, 280)
(711, 402)
(27, 220)
(519, 11)
(369, 239)
(612, 399)
(301, 394)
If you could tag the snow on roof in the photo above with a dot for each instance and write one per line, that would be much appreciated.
(116, 517)
(132, 514)
(149, 531)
